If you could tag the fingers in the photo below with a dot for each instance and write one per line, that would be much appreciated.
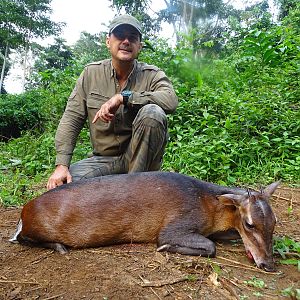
(103, 115)
(49, 185)
(96, 117)
(107, 111)
(59, 177)
(53, 183)
(69, 178)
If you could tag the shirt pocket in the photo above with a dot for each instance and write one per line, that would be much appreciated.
(95, 100)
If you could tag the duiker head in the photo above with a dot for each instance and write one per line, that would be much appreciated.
(255, 223)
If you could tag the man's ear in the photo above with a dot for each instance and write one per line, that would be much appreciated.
(107, 41)
(141, 46)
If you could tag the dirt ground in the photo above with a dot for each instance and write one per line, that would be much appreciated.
(139, 272)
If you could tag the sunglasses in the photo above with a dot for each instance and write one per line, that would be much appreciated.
(121, 35)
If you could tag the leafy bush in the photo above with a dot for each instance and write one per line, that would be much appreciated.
(24, 162)
(285, 246)
(229, 131)
(27, 162)
(288, 249)
(38, 108)
(20, 112)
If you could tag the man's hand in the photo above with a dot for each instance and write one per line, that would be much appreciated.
(107, 111)
(59, 177)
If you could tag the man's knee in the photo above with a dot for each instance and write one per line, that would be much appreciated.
(86, 168)
(151, 115)
(77, 172)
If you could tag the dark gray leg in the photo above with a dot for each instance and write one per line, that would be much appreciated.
(189, 243)
(56, 246)
(228, 235)
(31, 242)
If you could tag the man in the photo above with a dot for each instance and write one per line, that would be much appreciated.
(125, 102)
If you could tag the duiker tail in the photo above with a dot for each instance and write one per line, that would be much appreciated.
(14, 238)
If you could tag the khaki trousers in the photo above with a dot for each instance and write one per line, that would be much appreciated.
(144, 152)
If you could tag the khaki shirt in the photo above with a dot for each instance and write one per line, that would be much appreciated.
(97, 84)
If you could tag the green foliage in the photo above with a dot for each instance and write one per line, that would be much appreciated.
(22, 20)
(37, 109)
(228, 131)
(205, 22)
(233, 123)
(285, 245)
(24, 163)
(290, 34)
(291, 292)
(288, 249)
(56, 56)
(257, 16)
(256, 282)
(286, 7)
(20, 112)
(259, 45)
(90, 48)
(176, 63)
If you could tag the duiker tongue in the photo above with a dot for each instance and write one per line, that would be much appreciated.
(249, 255)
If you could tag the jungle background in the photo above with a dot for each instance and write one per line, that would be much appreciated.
(237, 76)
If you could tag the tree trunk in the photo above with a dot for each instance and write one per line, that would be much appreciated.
(176, 31)
(25, 66)
(190, 23)
(3, 67)
(185, 17)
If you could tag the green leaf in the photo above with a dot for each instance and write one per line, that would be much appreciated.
(289, 262)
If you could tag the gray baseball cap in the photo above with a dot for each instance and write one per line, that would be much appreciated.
(125, 20)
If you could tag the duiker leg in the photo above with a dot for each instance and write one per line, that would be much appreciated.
(185, 242)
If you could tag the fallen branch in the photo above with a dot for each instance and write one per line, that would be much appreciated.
(36, 261)
(53, 297)
(287, 188)
(19, 282)
(283, 198)
(247, 267)
(120, 252)
(160, 283)
(155, 293)
(229, 288)
(231, 250)
(240, 266)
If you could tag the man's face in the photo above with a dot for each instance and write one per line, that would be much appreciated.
(124, 43)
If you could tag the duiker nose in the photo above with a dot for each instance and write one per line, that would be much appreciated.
(267, 267)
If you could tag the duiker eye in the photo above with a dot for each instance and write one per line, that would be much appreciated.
(248, 225)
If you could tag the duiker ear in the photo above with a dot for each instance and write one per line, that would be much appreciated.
(270, 189)
(231, 199)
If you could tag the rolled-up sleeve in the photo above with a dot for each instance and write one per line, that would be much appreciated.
(71, 124)
(161, 92)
